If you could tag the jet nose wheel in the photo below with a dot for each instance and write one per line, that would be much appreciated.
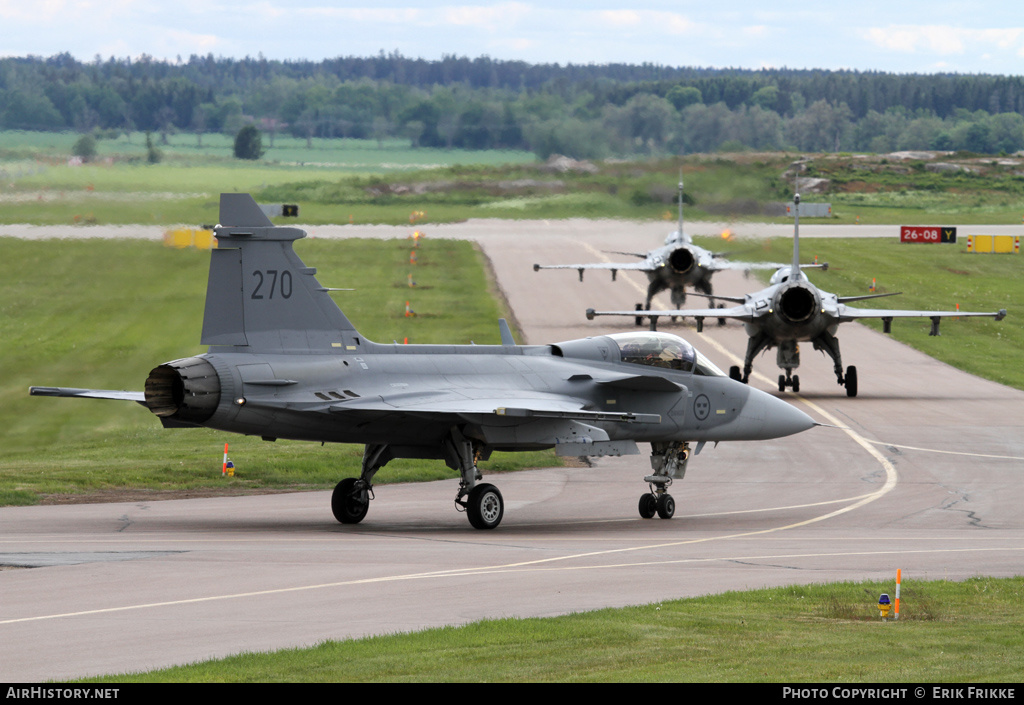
(485, 507)
(662, 505)
(648, 506)
(789, 381)
(666, 506)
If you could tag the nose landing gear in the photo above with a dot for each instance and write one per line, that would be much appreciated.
(669, 462)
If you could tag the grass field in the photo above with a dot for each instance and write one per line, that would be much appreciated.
(339, 181)
(344, 155)
(101, 314)
(970, 632)
(38, 185)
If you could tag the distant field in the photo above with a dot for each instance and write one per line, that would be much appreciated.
(37, 184)
(340, 181)
(102, 314)
(349, 155)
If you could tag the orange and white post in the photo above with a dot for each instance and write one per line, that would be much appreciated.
(224, 464)
(899, 576)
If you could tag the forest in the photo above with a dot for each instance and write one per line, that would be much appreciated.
(582, 111)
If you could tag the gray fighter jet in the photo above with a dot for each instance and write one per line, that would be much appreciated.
(676, 265)
(285, 362)
(790, 310)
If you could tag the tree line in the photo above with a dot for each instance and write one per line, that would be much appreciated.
(584, 111)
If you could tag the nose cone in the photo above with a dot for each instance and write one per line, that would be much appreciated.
(764, 416)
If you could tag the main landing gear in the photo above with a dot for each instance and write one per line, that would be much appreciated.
(351, 501)
(351, 498)
(669, 463)
(788, 358)
(850, 381)
(482, 502)
(830, 345)
(484, 506)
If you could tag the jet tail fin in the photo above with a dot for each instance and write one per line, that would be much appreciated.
(240, 210)
(260, 296)
(794, 272)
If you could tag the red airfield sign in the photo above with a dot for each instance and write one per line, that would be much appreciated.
(931, 233)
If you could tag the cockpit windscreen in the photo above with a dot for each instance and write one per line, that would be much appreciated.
(658, 349)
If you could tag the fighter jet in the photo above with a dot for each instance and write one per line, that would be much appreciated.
(285, 362)
(674, 266)
(790, 310)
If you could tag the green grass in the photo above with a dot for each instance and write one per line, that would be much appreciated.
(38, 186)
(340, 181)
(102, 314)
(635, 190)
(931, 277)
(346, 155)
(948, 632)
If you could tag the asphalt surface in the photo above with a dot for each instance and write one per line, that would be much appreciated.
(925, 476)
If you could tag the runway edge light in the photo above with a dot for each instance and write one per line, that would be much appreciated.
(884, 605)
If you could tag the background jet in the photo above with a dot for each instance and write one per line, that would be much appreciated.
(790, 310)
(674, 266)
(285, 362)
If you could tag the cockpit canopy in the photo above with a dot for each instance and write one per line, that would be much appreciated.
(782, 275)
(675, 237)
(658, 349)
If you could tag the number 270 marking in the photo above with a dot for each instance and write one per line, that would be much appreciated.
(280, 285)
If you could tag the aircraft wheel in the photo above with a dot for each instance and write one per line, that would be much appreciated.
(648, 506)
(346, 504)
(734, 373)
(666, 506)
(851, 381)
(485, 506)
(782, 383)
(721, 321)
(796, 383)
(639, 319)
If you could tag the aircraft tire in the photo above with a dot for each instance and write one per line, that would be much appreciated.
(734, 373)
(851, 381)
(648, 506)
(796, 383)
(347, 509)
(485, 506)
(782, 383)
(666, 506)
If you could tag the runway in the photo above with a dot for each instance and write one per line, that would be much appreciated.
(926, 476)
